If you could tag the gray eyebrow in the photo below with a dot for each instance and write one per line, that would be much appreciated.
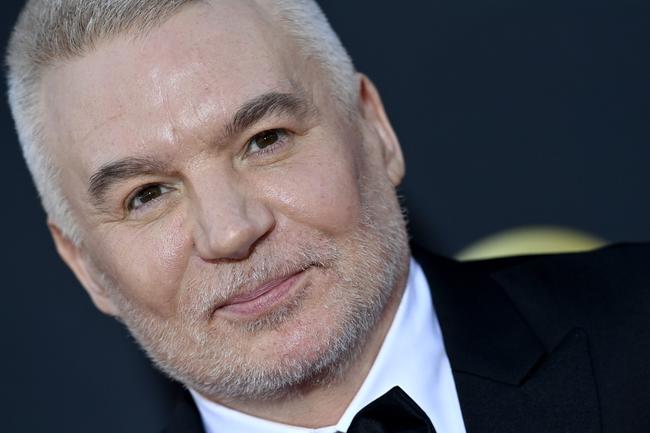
(251, 112)
(114, 172)
(265, 105)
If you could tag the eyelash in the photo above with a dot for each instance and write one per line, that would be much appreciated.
(129, 206)
(284, 135)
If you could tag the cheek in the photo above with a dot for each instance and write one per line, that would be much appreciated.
(148, 264)
(319, 190)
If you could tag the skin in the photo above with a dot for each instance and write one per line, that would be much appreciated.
(223, 208)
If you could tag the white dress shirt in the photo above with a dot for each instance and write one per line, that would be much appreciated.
(412, 357)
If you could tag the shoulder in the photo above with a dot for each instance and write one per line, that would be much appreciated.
(606, 295)
(611, 261)
(602, 295)
(604, 292)
(611, 273)
(605, 288)
(602, 285)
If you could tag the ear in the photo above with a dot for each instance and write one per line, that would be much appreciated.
(76, 260)
(375, 116)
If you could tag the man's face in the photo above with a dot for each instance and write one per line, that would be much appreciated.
(247, 235)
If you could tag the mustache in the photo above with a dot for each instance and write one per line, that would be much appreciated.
(219, 282)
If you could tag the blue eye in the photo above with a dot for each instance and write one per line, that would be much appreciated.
(146, 195)
(265, 139)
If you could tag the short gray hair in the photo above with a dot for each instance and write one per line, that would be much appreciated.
(52, 31)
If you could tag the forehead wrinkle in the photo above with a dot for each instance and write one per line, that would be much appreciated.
(95, 129)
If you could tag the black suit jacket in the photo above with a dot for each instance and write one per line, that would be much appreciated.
(548, 344)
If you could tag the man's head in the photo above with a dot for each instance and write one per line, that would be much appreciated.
(50, 32)
(218, 177)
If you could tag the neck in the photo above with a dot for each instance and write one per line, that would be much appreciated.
(323, 403)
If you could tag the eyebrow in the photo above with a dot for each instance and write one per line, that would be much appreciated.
(249, 113)
(114, 172)
(268, 104)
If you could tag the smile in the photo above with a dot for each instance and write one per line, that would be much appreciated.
(262, 298)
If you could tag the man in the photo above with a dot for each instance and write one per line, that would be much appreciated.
(220, 179)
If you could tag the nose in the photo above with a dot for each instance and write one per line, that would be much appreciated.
(230, 220)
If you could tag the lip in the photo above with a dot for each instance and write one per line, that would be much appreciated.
(262, 298)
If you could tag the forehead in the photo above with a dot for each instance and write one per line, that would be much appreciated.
(194, 69)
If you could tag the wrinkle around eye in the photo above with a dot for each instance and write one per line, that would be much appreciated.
(146, 199)
(276, 136)
(282, 138)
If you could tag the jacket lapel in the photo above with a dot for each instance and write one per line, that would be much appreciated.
(508, 378)
(185, 417)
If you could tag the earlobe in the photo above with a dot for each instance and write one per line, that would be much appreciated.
(73, 256)
(375, 116)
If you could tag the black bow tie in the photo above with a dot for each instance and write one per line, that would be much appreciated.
(393, 412)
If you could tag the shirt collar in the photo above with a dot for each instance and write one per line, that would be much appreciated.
(412, 357)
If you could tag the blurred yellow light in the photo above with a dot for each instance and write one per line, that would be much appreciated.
(530, 240)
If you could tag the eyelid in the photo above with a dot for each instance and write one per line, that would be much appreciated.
(165, 189)
(284, 135)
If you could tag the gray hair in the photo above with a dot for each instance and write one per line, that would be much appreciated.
(52, 31)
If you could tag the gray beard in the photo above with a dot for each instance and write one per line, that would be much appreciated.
(223, 372)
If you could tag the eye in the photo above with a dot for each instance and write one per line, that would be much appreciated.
(145, 195)
(263, 141)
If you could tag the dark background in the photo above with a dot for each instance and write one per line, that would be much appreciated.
(510, 113)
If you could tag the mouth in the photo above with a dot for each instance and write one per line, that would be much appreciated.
(262, 298)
